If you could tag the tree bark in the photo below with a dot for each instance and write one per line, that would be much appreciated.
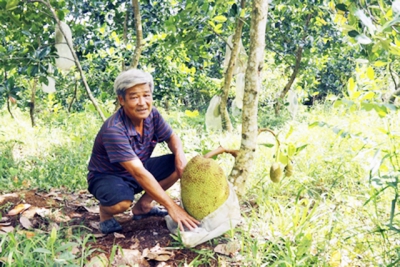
(139, 34)
(296, 69)
(245, 160)
(32, 103)
(226, 121)
(77, 63)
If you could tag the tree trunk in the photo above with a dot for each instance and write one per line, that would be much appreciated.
(245, 160)
(287, 87)
(139, 34)
(32, 103)
(226, 121)
(296, 69)
(9, 108)
(77, 63)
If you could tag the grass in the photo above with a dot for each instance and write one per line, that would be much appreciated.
(338, 209)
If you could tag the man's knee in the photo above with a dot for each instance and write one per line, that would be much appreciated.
(120, 207)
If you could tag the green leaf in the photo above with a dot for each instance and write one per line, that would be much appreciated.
(12, 4)
(60, 14)
(353, 33)
(370, 73)
(341, 7)
(267, 145)
(220, 19)
(42, 250)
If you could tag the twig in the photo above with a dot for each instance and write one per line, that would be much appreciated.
(221, 150)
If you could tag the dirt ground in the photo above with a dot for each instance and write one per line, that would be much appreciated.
(74, 210)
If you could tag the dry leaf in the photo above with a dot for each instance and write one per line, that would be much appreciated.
(92, 209)
(30, 213)
(135, 243)
(99, 235)
(117, 235)
(43, 212)
(29, 234)
(129, 257)
(5, 223)
(228, 249)
(94, 225)
(98, 261)
(58, 217)
(5, 197)
(157, 253)
(6, 229)
(25, 222)
(4, 219)
(18, 209)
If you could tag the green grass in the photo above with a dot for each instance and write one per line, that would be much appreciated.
(338, 209)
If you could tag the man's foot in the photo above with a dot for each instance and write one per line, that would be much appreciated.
(155, 211)
(110, 226)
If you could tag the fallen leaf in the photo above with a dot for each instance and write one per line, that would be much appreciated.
(18, 209)
(99, 235)
(25, 222)
(29, 234)
(228, 249)
(7, 229)
(117, 235)
(59, 217)
(5, 259)
(6, 197)
(94, 225)
(157, 253)
(43, 212)
(98, 261)
(130, 258)
(4, 219)
(92, 209)
(5, 223)
(30, 213)
(135, 243)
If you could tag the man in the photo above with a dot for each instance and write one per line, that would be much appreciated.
(120, 165)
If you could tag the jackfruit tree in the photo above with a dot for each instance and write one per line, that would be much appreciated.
(245, 159)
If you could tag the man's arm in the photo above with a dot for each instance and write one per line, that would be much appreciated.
(152, 187)
(175, 145)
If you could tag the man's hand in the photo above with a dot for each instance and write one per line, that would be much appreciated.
(182, 218)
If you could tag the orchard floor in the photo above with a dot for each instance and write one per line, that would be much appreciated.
(77, 214)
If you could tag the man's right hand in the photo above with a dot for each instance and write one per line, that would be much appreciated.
(182, 218)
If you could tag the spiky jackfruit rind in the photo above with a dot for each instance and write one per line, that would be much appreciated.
(204, 187)
(275, 173)
(289, 169)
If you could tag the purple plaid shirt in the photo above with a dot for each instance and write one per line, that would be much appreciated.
(118, 141)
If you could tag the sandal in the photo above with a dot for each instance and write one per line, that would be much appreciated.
(155, 211)
(110, 226)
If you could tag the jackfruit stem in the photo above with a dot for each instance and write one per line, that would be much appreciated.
(278, 144)
(221, 150)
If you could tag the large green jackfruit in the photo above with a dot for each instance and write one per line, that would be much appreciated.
(204, 187)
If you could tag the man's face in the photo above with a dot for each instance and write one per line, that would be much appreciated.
(138, 102)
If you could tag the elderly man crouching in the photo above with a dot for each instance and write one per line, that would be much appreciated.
(120, 165)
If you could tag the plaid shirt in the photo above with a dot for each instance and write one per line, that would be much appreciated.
(118, 141)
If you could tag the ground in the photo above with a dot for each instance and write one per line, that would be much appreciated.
(77, 209)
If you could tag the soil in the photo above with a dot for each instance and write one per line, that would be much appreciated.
(72, 210)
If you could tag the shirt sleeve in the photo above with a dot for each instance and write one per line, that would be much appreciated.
(162, 129)
(117, 145)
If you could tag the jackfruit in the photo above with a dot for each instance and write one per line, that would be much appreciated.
(289, 169)
(275, 173)
(204, 187)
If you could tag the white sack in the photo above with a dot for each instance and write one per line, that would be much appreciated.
(65, 59)
(241, 60)
(50, 87)
(240, 79)
(213, 121)
(223, 219)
